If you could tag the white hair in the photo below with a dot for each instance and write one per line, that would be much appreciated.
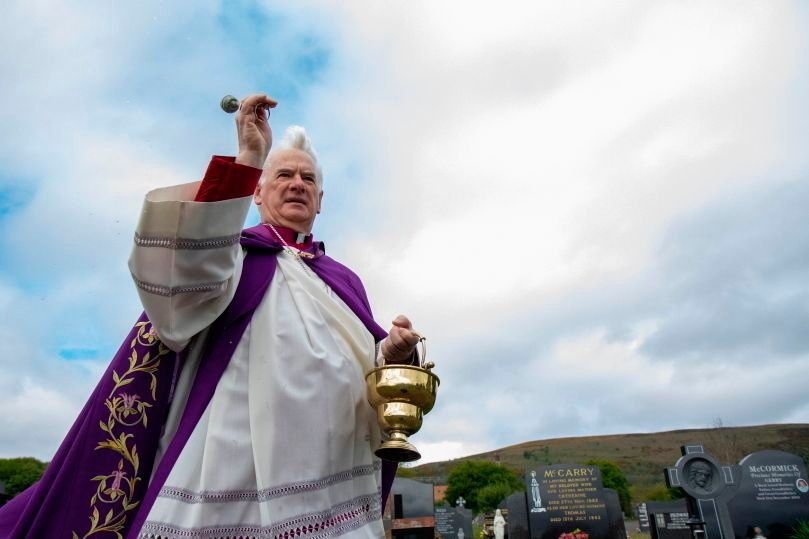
(295, 138)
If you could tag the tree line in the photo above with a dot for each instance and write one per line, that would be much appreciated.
(17, 474)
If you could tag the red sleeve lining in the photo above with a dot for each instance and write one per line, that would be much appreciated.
(225, 179)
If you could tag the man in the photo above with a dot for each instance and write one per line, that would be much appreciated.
(236, 407)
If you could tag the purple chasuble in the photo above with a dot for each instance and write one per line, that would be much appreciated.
(98, 482)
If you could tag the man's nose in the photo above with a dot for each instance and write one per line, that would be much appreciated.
(298, 183)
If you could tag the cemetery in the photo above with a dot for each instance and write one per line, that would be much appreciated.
(591, 213)
(764, 494)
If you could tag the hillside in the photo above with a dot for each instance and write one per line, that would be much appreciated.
(642, 457)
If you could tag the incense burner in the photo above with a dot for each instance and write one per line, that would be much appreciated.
(401, 394)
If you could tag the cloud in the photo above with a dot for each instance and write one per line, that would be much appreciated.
(102, 113)
(534, 191)
(586, 209)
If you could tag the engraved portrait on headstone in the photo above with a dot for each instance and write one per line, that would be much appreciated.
(700, 476)
(535, 496)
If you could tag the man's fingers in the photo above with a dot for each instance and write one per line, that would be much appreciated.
(403, 339)
(402, 321)
(249, 104)
(257, 99)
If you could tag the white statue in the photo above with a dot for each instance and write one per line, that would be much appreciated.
(460, 533)
(499, 525)
(537, 508)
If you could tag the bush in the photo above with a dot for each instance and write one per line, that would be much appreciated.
(469, 478)
(612, 477)
(20, 473)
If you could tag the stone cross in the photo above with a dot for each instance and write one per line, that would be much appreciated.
(460, 502)
(709, 486)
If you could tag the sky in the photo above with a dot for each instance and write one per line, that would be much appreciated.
(594, 211)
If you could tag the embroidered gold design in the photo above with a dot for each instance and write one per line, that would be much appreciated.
(116, 490)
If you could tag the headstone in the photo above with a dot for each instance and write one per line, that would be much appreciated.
(454, 522)
(414, 498)
(615, 517)
(773, 494)
(445, 521)
(709, 485)
(517, 516)
(463, 519)
(563, 498)
(767, 489)
(668, 520)
(643, 517)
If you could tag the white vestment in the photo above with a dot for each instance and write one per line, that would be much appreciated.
(285, 447)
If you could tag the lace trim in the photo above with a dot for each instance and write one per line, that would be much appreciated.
(186, 243)
(168, 292)
(225, 496)
(332, 522)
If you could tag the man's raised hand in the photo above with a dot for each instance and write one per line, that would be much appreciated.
(253, 129)
(400, 343)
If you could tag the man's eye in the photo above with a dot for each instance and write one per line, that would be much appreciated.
(309, 178)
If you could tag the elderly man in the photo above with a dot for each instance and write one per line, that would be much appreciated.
(236, 407)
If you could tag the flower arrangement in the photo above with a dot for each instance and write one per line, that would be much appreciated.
(575, 534)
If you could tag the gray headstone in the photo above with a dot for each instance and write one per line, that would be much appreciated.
(453, 522)
(773, 494)
(668, 520)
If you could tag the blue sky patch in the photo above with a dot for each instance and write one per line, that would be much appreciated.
(79, 353)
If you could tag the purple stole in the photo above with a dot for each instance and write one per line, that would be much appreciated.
(97, 484)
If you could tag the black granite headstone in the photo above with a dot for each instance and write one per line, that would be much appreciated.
(615, 517)
(563, 498)
(517, 516)
(643, 517)
(414, 497)
(708, 486)
(767, 489)
(668, 520)
(773, 494)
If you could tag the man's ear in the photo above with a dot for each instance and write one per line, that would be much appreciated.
(257, 193)
(319, 201)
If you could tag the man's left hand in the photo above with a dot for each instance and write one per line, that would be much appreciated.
(400, 343)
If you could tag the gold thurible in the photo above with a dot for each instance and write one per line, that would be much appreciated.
(401, 394)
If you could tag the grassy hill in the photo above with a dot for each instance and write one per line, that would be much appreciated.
(642, 457)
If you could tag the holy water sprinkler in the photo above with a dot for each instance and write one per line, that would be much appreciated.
(229, 104)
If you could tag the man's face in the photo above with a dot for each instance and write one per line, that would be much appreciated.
(702, 476)
(289, 195)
